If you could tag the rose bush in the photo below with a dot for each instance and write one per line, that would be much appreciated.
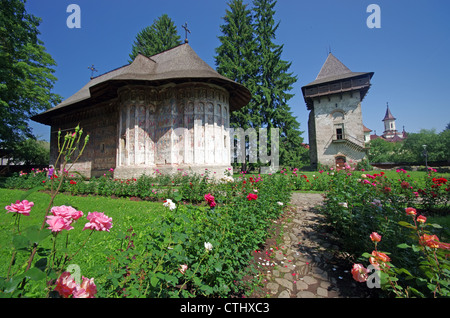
(427, 272)
(200, 250)
(44, 276)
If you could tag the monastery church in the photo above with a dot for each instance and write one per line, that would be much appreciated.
(166, 112)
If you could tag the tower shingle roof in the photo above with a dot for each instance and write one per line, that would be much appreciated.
(388, 115)
(334, 70)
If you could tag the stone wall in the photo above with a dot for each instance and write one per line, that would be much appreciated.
(332, 112)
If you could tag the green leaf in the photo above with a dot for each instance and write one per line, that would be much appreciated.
(11, 284)
(154, 281)
(402, 270)
(35, 273)
(406, 224)
(366, 255)
(218, 267)
(207, 289)
(404, 245)
(20, 242)
(177, 196)
(415, 291)
(35, 234)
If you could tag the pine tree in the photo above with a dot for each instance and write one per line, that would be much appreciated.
(162, 35)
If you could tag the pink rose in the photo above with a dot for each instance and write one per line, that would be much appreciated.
(183, 268)
(66, 212)
(98, 221)
(252, 196)
(410, 211)
(58, 223)
(375, 237)
(421, 219)
(22, 207)
(65, 285)
(87, 289)
(210, 199)
(359, 273)
(377, 258)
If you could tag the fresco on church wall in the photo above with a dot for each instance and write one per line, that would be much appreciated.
(171, 131)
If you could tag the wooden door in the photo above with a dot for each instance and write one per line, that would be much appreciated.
(340, 162)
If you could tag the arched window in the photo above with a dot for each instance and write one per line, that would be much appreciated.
(337, 115)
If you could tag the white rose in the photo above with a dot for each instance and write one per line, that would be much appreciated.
(208, 246)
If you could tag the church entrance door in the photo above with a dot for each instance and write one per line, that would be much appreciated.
(340, 162)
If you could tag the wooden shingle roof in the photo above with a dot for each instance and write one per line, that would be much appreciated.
(334, 70)
(177, 65)
(334, 77)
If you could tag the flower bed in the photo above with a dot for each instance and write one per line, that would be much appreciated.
(358, 204)
(202, 244)
(188, 251)
(170, 258)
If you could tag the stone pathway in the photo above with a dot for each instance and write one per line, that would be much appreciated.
(305, 262)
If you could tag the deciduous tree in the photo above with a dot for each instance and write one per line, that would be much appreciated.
(26, 73)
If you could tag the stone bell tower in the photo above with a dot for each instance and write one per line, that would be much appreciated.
(335, 125)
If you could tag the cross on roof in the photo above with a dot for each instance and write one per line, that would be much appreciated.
(93, 69)
(186, 30)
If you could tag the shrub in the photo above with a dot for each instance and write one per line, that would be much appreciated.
(428, 273)
(202, 250)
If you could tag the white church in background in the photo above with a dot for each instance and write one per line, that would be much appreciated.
(390, 132)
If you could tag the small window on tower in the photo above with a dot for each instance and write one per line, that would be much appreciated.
(339, 131)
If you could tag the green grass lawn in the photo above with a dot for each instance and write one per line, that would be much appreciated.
(93, 256)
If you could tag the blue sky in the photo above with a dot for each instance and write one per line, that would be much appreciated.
(409, 53)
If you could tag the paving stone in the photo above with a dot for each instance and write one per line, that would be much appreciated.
(285, 269)
(325, 284)
(284, 294)
(301, 285)
(305, 294)
(322, 292)
(285, 283)
(309, 280)
(273, 287)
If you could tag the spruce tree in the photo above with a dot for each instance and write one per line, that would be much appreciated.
(235, 59)
(275, 83)
(162, 35)
(249, 56)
